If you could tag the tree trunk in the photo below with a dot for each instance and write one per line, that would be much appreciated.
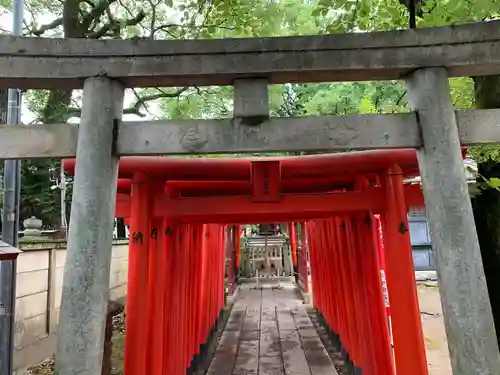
(486, 205)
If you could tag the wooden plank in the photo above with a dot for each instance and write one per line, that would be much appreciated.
(235, 321)
(247, 359)
(294, 359)
(252, 319)
(270, 356)
(285, 320)
(225, 354)
(317, 357)
(323, 133)
(467, 50)
(301, 318)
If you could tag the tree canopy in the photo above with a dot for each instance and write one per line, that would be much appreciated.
(194, 19)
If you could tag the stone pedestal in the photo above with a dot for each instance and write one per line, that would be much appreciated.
(32, 229)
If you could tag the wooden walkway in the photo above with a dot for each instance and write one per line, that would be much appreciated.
(270, 333)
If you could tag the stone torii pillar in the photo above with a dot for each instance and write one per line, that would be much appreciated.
(466, 306)
(87, 271)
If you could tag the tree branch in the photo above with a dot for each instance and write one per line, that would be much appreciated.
(50, 26)
(398, 102)
(96, 13)
(141, 102)
(113, 27)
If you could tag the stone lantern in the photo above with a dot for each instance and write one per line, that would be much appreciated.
(32, 228)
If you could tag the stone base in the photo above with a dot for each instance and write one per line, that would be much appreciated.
(262, 280)
(306, 296)
(201, 362)
(232, 298)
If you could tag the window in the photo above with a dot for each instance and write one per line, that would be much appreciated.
(423, 258)
(419, 233)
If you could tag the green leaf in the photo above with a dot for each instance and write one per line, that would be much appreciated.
(494, 183)
(366, 106)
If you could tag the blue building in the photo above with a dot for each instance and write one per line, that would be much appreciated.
(423, 254)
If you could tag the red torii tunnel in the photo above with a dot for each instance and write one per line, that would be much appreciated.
(352, 208)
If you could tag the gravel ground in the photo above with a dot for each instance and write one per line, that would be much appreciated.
(47, 367)
(438, 358)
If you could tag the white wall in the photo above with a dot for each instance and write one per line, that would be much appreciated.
(40, 270)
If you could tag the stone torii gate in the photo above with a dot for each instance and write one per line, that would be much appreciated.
(425, 58)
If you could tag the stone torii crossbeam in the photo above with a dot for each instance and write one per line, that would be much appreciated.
(425, 58)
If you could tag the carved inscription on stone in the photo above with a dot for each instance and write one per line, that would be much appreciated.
(194, 139)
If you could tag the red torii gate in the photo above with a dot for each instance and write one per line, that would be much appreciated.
(174, 253)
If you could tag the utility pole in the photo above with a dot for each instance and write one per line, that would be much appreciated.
(64, 223)
(10, 222)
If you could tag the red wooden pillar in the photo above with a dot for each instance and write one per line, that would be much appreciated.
(345, 265)
(160, 307)
(187, 295)
(311, 229)
(320, 280)
(135, 348)
(237, 234)
(304, 271)
(339, 291)
(409, 346)
(365, 361)
(292, 231)
(174, 308)
(230, 244)
(202, 280)
(168, 306)
(197, 279)
(212, 274)
(222, 285)
(214, 271)
(184, 297)
(177, 322)
(154, 287)
(378, 318)
(205, 285)
(332, 284)
(190, 292)
(197, 282)
(381, 257)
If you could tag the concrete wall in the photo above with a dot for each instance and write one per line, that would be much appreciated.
(40, 270)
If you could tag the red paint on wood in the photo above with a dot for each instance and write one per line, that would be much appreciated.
(305, 204)
(409, 346)
(230, 169)
(135, 348)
